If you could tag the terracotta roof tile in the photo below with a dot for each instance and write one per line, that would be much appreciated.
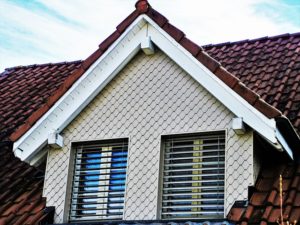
(21, 189)
(295, 214)
(127, 21)
(264, 205)
(236, 214)
(240, 59)
(173, 31)
(258, 199)
(142, 6)
(157, 17)
(261, 70)
(193, 48)
(24, 90)
(109, 40)
(208, 61)
(274, 64)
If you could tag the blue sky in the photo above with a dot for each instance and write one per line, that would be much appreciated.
(41, 31)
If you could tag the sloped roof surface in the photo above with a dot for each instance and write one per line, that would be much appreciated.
(21, 186)
(264, 204)
(143, 7)
(25, 89)
(270, 66)
(22, 91)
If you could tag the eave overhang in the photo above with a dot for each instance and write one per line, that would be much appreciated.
(108, 65)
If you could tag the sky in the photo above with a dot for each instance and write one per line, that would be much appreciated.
(43, 31)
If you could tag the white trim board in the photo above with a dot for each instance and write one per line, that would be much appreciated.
(107, 67)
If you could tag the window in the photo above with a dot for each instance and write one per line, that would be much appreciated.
(99, 180)
(193, 176)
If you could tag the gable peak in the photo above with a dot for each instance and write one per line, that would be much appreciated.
(142, 6)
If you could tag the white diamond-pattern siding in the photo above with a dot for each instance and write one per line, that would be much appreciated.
(150, 97)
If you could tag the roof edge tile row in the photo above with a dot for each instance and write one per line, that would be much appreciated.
(143, 7)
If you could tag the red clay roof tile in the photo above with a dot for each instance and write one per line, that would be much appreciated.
(258, 199)
(266, 198)
(248, 213)
(295, 215)
(20, 188)
(260, 55)
(109, 40)
(173, 31)
(157, 17)
(193, 48)
(239, 55)
(267, 66)
(249, 95)
(127, 21)
(226, 77)
(236, 214)
(256, 216)
(23, 93)
(208, 61)
(88, 62)
(142, 6)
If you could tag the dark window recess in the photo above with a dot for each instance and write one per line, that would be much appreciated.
(99, 181)
(193, 176)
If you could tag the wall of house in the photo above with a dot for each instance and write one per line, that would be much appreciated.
(150, 97)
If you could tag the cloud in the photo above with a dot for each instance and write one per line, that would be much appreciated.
(49, 31)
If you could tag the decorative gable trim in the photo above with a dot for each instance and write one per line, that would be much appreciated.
(82, 92)
(118, 55)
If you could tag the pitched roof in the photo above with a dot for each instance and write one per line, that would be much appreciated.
(24, 89)
(270, 66)
(21, 200)
(143, 7)
(26, 93)
(264, 204)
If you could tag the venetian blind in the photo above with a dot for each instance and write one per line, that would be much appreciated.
(99, 181)
(193, 176)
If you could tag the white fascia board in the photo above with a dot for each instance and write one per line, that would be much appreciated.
(240, 107)
(82, 91)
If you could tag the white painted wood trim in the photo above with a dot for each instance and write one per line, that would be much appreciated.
(107, 67)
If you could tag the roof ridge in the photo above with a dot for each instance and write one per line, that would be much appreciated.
(284, 35)
(264, 38)
(143, 7)
(42, 64)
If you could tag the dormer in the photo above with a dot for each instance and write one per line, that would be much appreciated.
(151, 128)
